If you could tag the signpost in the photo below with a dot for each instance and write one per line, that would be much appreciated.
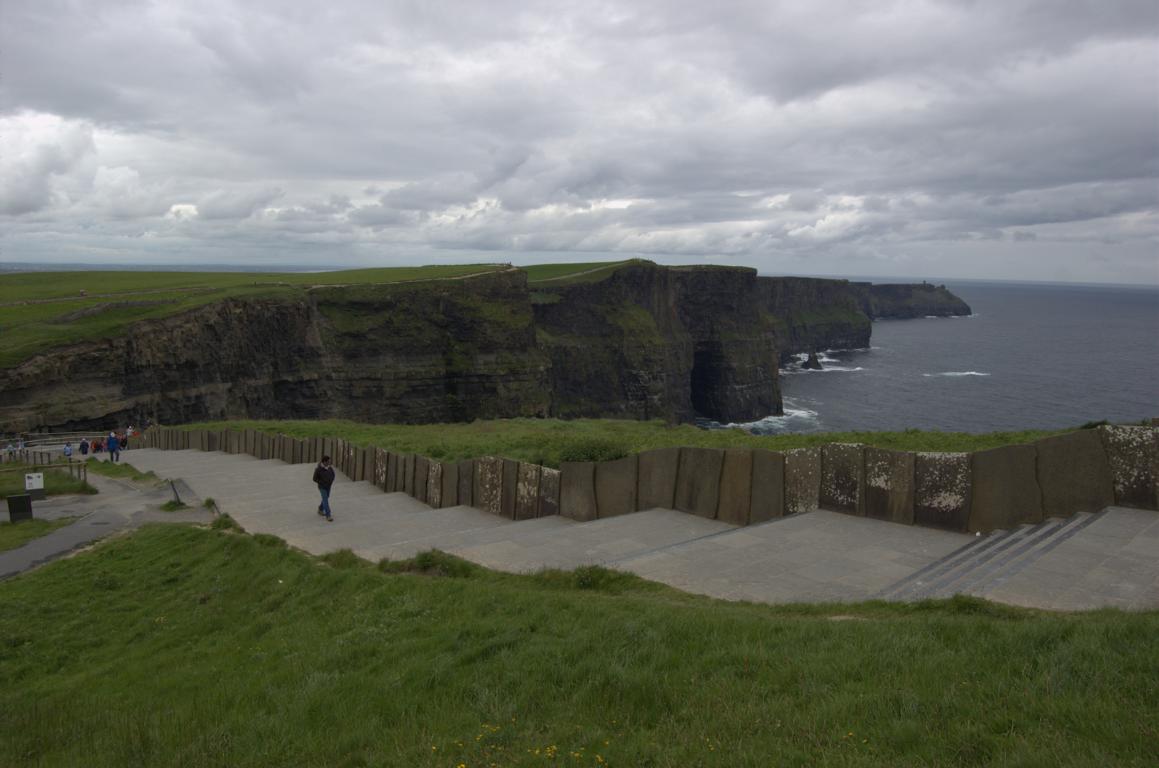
(34, 484)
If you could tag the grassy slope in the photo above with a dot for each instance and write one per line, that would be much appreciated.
(184, 646)
(31, 328)
(563, 274)
(550, 440)
(56, 482)
(13, 535)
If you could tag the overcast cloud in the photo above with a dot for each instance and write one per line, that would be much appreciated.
(1002, 139)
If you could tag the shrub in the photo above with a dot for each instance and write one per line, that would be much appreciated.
(593, 449)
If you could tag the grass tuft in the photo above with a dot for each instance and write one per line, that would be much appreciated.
(433, 563)
(224, 522)
(173, 506)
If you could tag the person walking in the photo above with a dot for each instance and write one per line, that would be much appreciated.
(68, 451)
(324, 478)
(114, 447)
(84, 447)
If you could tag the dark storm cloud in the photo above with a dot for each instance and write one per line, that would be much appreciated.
(795, 136)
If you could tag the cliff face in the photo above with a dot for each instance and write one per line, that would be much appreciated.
(905, 300)
(652, 342)
(438, 351)
(643, 342)
(814, 314)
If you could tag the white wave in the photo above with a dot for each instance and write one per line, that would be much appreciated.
(833, 368)
(956, 373)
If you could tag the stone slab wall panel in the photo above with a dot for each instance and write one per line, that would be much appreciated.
(889, 485)
(698, 481)
(577, 494)
(616, 487)
(1074, 474)
(548, 492)
(435, 484)
(802, 480)
(768, 494)
(657, 478)
(1133, 455)
(942, 490)
(488, 490)
(510, 484)
(422, 474)
(1004, 488)
(736, 486)
(843, 478)
(527, 491)
(449, 484)
(467, 483)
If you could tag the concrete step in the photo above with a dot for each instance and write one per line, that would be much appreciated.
(1065, 529)
(933, 573)
(977, 567)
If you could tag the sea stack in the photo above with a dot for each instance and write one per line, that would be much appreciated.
(812, 364)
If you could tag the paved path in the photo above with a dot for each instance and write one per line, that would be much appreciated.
(119, 506)
(1110, 559)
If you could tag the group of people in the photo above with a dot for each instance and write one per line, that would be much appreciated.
(112, 444)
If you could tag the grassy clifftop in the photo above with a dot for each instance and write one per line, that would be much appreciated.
(41, 310)
(549, 441)
(195, 647)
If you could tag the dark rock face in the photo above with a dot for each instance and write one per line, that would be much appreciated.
(644, 342)
(812, 363)
(904, 301)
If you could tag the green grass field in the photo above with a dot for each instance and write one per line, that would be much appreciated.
(550, 441)
(13, 535)
(564, 274)
(123, 471)
(183, 646)
(56, 482)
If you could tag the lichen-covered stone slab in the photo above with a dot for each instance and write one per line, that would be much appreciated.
(942, 490)
(577, 493)
(1133, 454)
(1074, 474)
(843, 478)
(380, 466)
(449, 490)
(548, 492)
(736, 486)
(698, 481)
(616, 487)
(1004, 488)
(488, 491)
(527, 491)
(435, 484)
(467, 483)
(656, 485)
(802, 480)
(889, 485)
(768, 493)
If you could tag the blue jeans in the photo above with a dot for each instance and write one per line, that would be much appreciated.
(325, 500)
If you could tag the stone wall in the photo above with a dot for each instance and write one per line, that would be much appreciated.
(1000, 488)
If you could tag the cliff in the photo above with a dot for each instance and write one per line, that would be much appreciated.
(902, 301)
(641, 341)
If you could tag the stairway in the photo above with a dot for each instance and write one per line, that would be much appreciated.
(986, 562)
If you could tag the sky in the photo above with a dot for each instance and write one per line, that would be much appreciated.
(986, 139)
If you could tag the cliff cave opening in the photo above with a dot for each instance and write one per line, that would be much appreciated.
(703, 389)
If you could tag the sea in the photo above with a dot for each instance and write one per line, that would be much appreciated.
(1032, 356)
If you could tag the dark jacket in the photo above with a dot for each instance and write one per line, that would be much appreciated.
(324, 476)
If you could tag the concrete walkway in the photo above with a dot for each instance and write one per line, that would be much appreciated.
(1110, 560)
(118, 506)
